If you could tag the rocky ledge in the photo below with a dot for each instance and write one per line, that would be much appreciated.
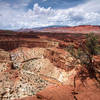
(37, 66)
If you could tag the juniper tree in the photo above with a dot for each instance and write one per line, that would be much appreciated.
(84, 54)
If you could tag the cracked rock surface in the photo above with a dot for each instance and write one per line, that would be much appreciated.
(27, 71)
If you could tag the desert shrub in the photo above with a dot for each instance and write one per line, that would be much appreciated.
(84, 54)
(92, 44)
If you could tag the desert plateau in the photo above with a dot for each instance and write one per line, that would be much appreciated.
(36, 65)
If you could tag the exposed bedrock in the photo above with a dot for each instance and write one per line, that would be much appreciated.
(36, 66)
(27, 71)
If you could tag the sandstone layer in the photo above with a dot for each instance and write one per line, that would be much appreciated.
(37, 66)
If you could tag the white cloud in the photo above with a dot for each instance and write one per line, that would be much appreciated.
(44, 0)
(87, 13)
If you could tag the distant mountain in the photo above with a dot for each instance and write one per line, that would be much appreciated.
(64, 29)
(40, 28)
(74, 29)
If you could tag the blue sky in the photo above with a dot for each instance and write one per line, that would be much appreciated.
(15, 14)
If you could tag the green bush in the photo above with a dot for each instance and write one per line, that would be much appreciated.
(92, 44)
(87, 49)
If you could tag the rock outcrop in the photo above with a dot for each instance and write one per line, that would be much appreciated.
(30, 70)
(37, 66)
(83, 91)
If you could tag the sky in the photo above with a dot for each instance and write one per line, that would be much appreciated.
(16, 14)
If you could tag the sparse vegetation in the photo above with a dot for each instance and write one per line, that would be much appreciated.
(84, 55)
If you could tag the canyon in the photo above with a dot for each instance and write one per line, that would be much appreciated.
(35, 65)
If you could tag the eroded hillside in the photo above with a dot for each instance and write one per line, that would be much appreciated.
(35, 65)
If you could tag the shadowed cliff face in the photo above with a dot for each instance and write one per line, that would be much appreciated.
(48, 37)
(10, 41)
(13, 40)
(36, 64)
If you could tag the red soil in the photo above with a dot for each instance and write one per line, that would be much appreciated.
(83, 91)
